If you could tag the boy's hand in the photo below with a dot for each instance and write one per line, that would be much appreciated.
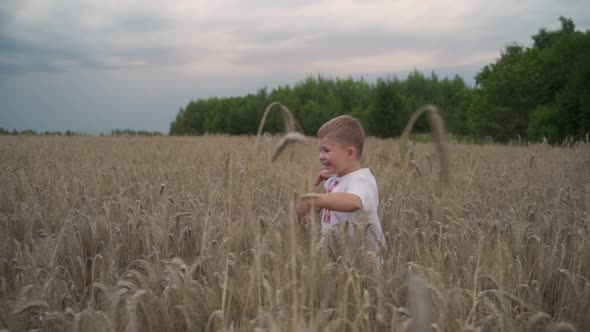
(322, 176)
(303, 208)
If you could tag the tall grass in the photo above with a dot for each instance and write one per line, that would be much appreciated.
(167, 234)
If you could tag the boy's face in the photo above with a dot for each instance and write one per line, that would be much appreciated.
(335, 157)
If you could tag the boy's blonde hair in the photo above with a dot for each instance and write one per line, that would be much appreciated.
(346, 130)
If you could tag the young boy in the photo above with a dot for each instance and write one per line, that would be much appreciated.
(351, 195)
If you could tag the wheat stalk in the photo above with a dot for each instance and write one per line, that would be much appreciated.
(438, 133)
(292, 135)
(288, 119)
(419, 304)
(563, 327)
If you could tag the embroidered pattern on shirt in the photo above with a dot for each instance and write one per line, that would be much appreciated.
(328, 213)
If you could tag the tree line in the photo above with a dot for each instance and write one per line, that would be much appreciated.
(533, 92)
(34, 132)
(114, 132)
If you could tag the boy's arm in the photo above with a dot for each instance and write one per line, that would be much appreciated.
(340, 202)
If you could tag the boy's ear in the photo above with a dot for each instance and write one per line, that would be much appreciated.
(351, 151)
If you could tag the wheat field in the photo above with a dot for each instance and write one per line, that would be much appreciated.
(199, 234)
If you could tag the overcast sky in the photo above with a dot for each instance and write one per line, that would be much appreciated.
(92, 66)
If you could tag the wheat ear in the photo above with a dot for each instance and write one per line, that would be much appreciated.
(438, 132)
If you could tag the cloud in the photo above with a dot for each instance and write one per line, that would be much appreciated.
(247, 36)
(49, 35)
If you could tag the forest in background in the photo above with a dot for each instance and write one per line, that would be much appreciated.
(529, 92)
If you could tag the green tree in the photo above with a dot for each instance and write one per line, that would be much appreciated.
(386, 118)
(525, 82)
(544, 123)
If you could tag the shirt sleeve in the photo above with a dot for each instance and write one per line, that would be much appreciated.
(361, 187)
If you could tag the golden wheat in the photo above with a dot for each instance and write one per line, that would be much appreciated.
(291, 135)
(438, 134)
(289, 138)
(288, 119)
(198, 233)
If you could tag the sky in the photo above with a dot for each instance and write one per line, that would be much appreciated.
(91, 66)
